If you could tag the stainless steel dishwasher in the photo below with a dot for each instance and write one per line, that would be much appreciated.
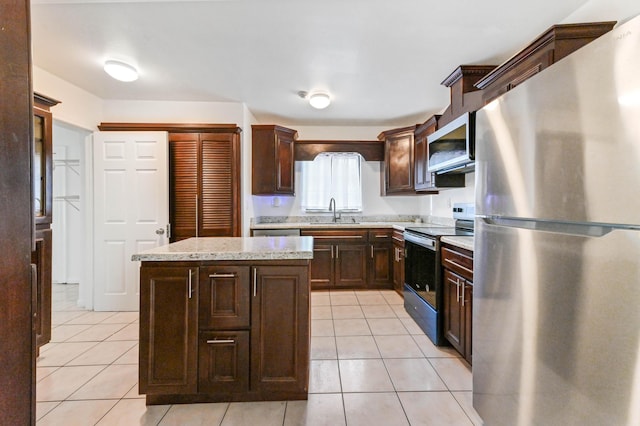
(276, 232)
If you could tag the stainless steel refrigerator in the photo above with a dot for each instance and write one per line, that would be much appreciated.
(556, 320)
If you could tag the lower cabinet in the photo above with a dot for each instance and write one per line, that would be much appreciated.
(168, 330)
(224, 331)
(351, 259)
(41, 258)
(458, 298)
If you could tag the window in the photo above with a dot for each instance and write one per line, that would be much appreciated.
(332, 175)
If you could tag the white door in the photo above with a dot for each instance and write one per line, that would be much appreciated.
(131, 211)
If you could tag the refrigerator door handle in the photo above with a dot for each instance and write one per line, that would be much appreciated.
(570, 228)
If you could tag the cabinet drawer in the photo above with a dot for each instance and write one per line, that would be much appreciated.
(398, 237)
(341, 235)
(460, 261)
(223, 361)
(224, 297)
(380, 235)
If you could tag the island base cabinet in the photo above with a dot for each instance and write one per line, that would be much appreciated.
(280, 330)
(168, 330)
(224, 331)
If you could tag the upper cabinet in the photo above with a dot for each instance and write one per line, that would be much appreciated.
(551, 46)
(398, 177)
(273, 171)
(43, 158)
(465, 97)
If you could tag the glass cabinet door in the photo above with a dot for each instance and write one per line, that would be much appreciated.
(42, 165)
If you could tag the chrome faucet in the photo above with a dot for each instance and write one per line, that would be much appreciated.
(332, 207)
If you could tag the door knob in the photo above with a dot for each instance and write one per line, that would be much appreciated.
(160, 231)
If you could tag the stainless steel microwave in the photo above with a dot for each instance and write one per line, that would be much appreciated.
(452, 148)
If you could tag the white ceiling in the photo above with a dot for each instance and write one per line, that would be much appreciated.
(381, 60)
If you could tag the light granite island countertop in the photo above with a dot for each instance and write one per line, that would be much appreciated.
(462, 242)
(231, 248)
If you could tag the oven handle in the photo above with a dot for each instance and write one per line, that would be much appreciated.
(421, 241)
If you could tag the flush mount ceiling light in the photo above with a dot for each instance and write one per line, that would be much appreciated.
(120, 70)
(318, 100)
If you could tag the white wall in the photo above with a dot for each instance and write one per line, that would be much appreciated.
(605, 10)
(372, 202)
(78, 107)
(173, 112)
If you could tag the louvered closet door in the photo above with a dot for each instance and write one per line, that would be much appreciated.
(220, 183)
(183, 169)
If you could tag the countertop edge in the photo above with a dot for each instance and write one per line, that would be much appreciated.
(462, 242)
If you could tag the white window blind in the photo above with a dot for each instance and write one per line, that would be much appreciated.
(332, 175)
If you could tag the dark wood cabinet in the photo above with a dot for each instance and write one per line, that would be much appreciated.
(351, 259)
(457, 277)
(425, 181)
(280, 330)
(204, 188)
(380, 273)
(350, 265)
(398, 261)
(339, 258)
(224, 331)
(42, 184)
(273, 171)
(398, 176)
(223, 361)
(41, 258)
(168, 330)
(551, 46)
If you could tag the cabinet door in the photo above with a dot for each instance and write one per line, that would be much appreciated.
(280, 329)
(285, 171)
(41, 257)
(381, 266)
(322, 267)
(398, 268)
(219, 210)
(351, 265)
(421, 158)
(224, 301)
(468, 319)
(223, 361)
(168, 330)
(453, 324)
(399, 163)
(42, 165)
(183, 185)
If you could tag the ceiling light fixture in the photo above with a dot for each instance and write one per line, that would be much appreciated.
(120, 71)
(319, 100)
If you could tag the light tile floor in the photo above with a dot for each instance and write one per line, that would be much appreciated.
(370, 365)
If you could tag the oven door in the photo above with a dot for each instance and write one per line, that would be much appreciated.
(421, 268)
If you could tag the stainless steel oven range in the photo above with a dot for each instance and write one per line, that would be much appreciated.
(423, 294)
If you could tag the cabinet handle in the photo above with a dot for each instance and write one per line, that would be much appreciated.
(337, 252)
(332, 252)
(190, 284)
(457, 290)
(222, 275)
(462, 294)
(371, 251)
(197, 225)
(217, 342)
(255, 282)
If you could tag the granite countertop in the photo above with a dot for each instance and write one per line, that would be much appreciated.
(231, 248)
(462, 242)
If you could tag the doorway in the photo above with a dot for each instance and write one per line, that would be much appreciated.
(69, 224)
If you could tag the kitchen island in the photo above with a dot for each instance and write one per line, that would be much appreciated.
(225, 319)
